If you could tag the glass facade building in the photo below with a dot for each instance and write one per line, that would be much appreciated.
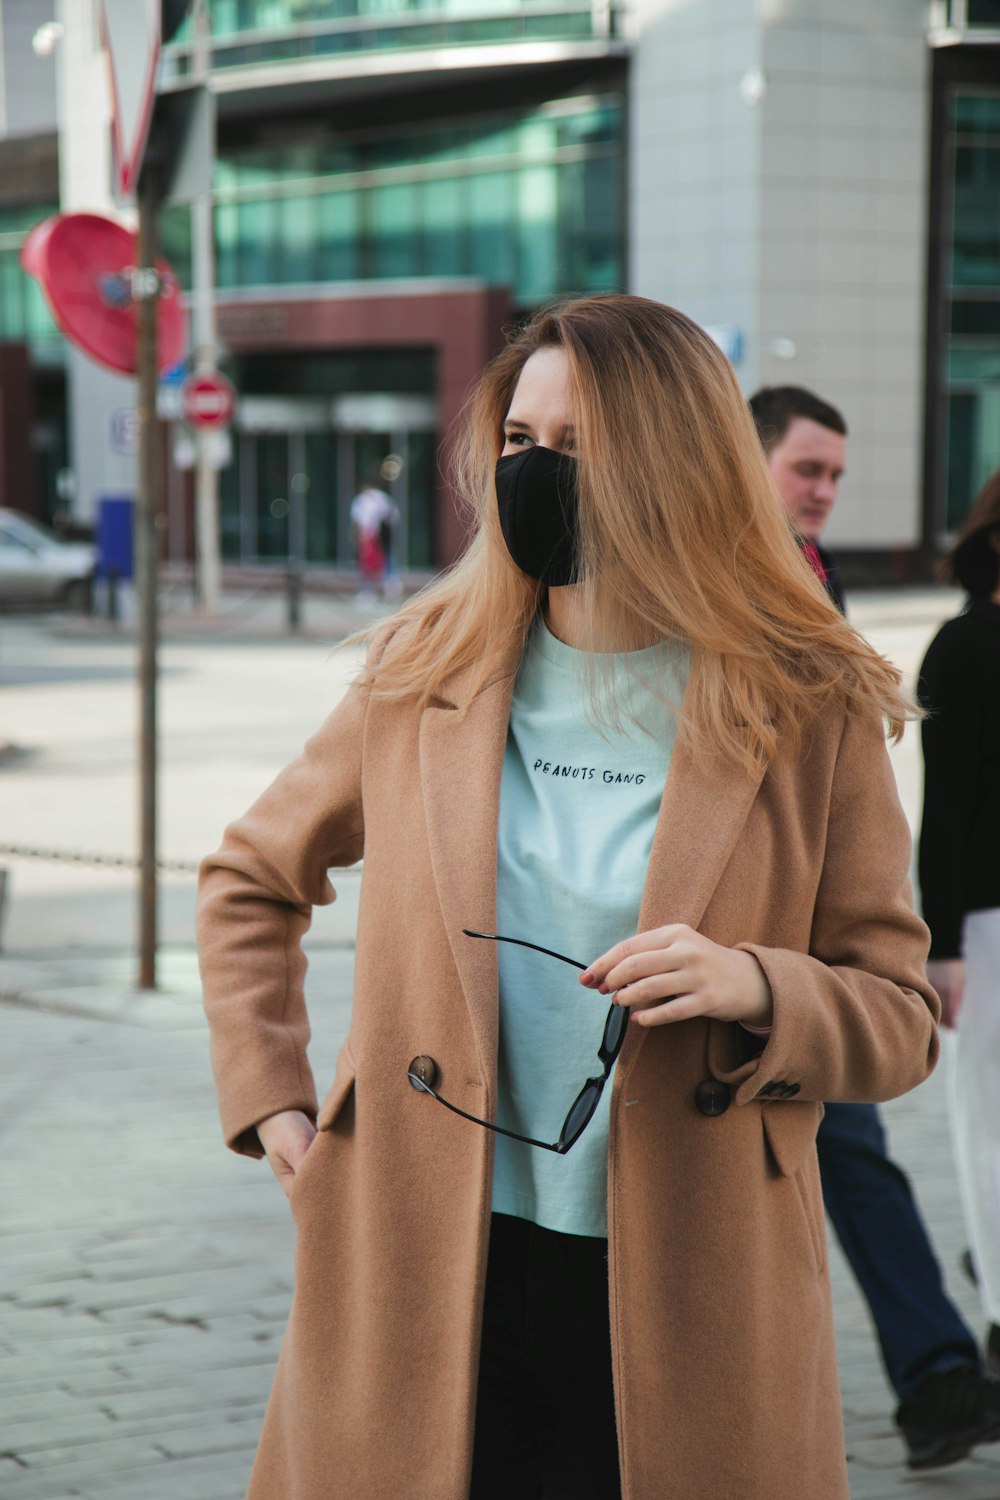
(532, 200)
(374, 151)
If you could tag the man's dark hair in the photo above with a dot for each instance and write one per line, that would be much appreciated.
(775, 407)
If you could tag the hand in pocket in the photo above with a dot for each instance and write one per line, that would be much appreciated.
(286, 1138)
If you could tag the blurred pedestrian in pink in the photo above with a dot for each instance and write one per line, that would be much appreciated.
(373, 515)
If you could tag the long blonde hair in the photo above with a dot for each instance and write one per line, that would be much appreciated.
(682, 536)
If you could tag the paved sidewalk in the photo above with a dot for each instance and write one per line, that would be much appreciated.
(147, 1271)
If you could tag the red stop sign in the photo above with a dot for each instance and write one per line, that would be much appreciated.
(207, 400)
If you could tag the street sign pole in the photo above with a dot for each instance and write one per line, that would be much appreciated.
(209, 573)
(148, 507)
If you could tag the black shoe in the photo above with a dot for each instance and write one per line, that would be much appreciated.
(947, 1416)
(993, 1352)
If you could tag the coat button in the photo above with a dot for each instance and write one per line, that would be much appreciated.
(713, 1097)
(424, 1068)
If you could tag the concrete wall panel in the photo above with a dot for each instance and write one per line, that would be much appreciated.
(29, 82)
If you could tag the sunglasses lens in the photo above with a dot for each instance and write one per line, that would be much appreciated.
(614, 1030)
(581, 1113)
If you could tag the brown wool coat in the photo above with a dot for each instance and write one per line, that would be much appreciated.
(724, 1363)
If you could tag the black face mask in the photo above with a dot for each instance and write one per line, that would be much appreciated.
(538, 497)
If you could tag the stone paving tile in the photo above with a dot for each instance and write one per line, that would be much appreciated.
(45, 1433)
(218, 1477)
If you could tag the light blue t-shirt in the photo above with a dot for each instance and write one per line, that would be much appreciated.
(578, 809)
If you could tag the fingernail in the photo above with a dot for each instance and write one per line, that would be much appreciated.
(602, 989)
(586, 977)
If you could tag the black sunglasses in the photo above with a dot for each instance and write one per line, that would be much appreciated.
(581, 1111)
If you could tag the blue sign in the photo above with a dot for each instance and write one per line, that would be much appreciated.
(114, 536)
(176, 374)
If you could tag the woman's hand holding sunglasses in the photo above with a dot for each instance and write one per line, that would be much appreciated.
(674, 974)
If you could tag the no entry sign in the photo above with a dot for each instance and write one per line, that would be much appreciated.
(207, 400)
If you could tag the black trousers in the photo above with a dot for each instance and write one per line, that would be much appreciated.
(545, 1412)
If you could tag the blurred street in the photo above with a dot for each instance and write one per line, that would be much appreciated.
(148, 1270)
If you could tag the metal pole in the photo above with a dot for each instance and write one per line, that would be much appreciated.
(147, 536)
(293, 598)
(206, 474)
(203, 307)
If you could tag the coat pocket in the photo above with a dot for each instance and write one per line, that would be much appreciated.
(790, 1130)
(305, 1166)
(343, 1082)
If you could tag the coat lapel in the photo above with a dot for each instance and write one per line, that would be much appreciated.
(462, 747)
(705, 804)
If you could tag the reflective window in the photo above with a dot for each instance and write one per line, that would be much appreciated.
(392, 216)
(976, 235)
(338, 237)
(972, 347)
(532, 202)
(175, 242)
(492, 227)
(963, 13)
(24, 313)
(445, 226)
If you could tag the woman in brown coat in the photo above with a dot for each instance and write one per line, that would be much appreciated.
(543, 1251)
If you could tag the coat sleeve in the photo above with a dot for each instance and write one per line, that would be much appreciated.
(254, 905)
(854, 1018)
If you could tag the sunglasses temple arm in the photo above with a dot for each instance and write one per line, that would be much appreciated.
(497, 1129)
(495, 937)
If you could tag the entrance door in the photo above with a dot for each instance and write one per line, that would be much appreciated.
(297, 465)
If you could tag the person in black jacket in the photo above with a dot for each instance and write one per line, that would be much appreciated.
(959, 863)
(947, 1405)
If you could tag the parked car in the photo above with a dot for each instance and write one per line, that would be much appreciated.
(37, 568)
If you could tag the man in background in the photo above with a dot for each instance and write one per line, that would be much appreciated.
(948, 1406)
(805, 440)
